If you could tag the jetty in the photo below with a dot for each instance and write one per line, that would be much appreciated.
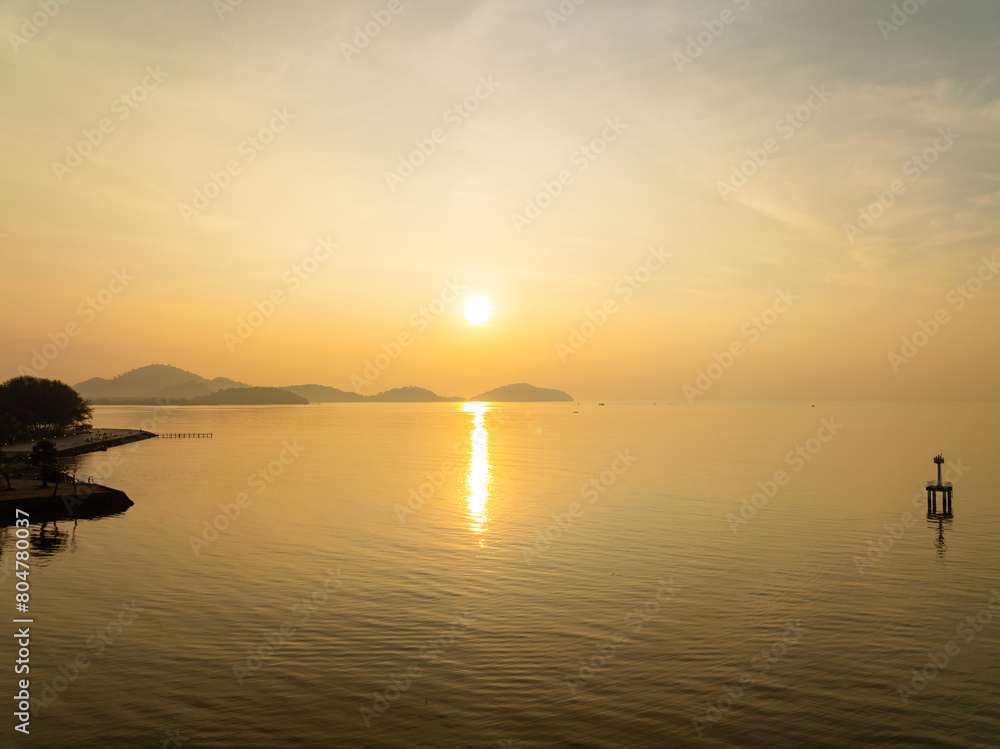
(941, 486)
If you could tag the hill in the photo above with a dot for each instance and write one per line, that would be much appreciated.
(249, 396)
(324, 394)
(154, 381)
(410, 394)
(523, 392)
(194, 388)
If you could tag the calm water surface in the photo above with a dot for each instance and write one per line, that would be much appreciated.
(465, 575)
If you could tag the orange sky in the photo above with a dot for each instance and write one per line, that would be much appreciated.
(805, 185)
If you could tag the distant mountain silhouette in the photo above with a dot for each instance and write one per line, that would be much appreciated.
(324, 394)
(249, 396)
(195, 388)
(161, 381)
(522, 392)
(154, 381)
(410, 394)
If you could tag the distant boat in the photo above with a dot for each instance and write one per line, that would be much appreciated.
(600, 404)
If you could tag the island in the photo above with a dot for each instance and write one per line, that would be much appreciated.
(522, 392)
(162, 384)
(412, 394)
(248, 397)
(406, 394)
(325, 394)
(153, 381)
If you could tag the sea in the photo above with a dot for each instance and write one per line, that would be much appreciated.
(522, 575)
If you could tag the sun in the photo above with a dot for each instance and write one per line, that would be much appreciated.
(478, 310)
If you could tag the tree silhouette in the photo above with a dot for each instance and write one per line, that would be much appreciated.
(3, 470)
(44, 458)
(10, 428)
(32, 406)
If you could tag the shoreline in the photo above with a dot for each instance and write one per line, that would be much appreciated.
(97, 440)
(70, 502)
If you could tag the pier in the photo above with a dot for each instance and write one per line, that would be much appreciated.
(176, 435)
(941, 486)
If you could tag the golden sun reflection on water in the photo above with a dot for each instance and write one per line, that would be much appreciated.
(479, 476)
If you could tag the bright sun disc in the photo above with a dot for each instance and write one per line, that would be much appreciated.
(478, 310)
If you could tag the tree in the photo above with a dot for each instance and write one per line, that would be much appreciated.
(4, 459)
(10, 428)
(32, 406)
(44, 457)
